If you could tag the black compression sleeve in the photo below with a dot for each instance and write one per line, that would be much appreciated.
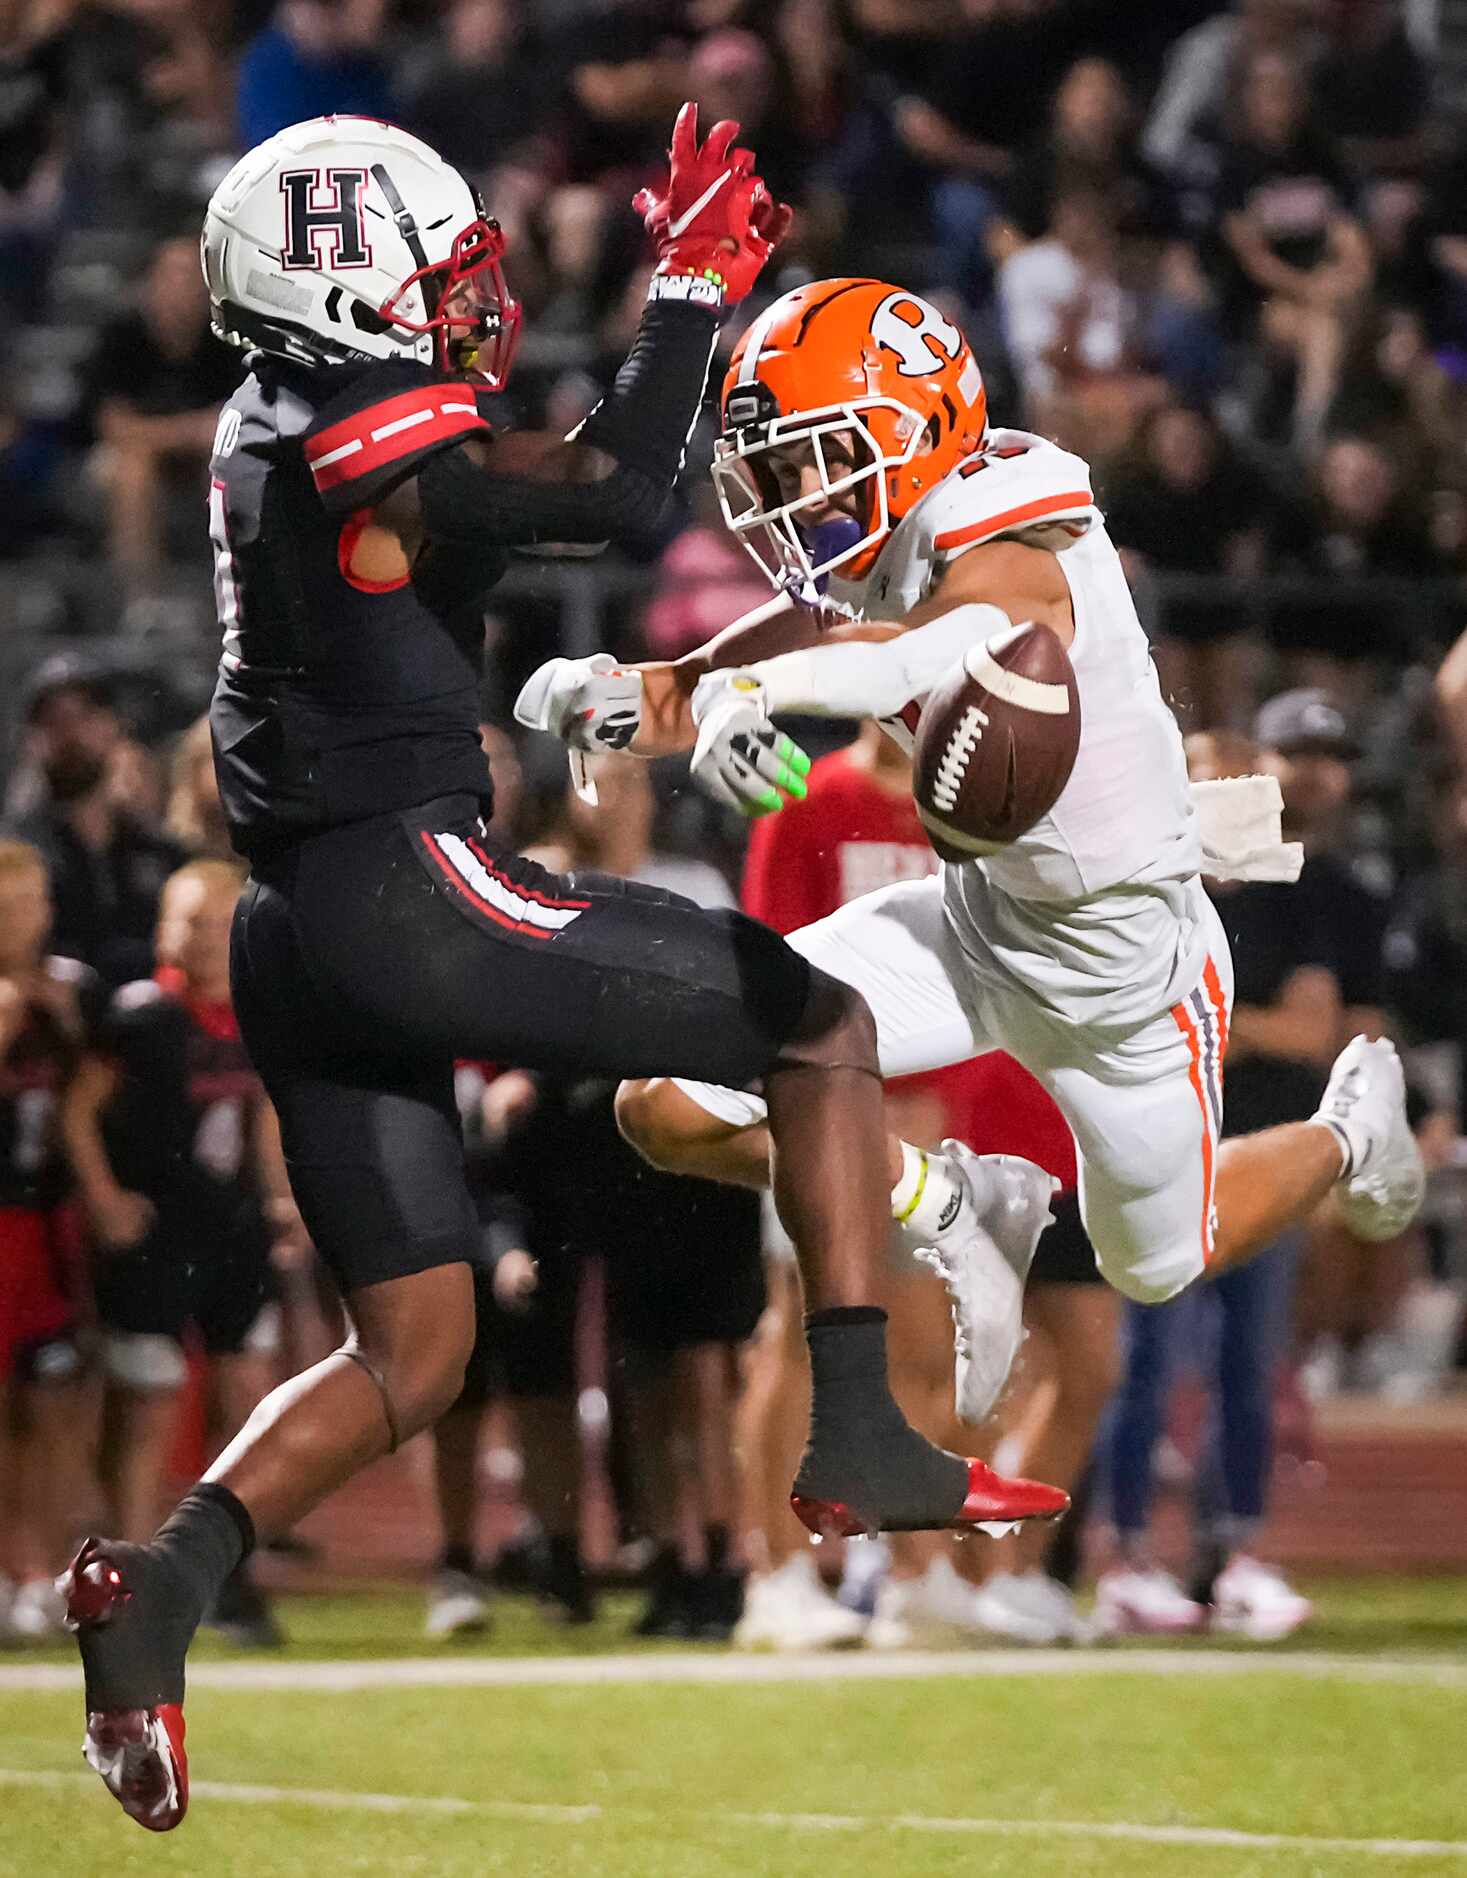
(643, 422)
(646, 418)
(463, 504)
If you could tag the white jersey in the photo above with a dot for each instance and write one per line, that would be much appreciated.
(1097, 910)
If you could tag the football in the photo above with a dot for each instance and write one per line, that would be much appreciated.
(996, 742)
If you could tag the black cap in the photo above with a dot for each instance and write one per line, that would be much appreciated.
(1305, 720)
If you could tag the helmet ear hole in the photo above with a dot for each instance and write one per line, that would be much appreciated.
(367, 319)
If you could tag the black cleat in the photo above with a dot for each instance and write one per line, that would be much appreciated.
(669, 1608)
(565, 1584)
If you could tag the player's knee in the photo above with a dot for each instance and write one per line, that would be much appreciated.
(1142, 1248)
(428, 1380)
(418, 1353)
(836, 1029)
(1155, 1276)
(652, 1119)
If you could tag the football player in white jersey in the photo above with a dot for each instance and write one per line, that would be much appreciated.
(856, 461)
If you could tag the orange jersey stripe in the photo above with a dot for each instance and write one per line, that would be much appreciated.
(1217, 998)
(1027, 512)
(1183, 1020)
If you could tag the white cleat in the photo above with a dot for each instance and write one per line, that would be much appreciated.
(790, 1609)
(1252, 1600)
(457, 1607)
(1365, 1099)
(1028, 1607)
(933, 1611)
(1135, 1602)
(983, 1259)
(37, 1612)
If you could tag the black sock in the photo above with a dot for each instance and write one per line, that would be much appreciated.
(1063, 1555)
(135, 1659)
(457, 1558)
(206, 1535)
(715, 1547)
(863, 1451)
(565, 1551)
(1207, 1567)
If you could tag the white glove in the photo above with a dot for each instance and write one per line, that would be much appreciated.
(741, 759)
(591, 704)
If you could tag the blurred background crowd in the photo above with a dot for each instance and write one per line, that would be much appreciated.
(1221, 251)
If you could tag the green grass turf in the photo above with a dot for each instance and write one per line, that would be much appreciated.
(669, 1764)
(1396, 1617)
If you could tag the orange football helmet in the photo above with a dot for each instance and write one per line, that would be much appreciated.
(862, 363)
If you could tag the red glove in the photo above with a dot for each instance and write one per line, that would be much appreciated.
(716, 224)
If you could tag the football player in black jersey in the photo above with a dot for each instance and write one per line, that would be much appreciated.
(360, 511)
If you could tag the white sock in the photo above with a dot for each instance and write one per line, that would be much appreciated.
(928, 1198)
(1351, 1153)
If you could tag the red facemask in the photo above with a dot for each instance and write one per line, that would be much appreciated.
(473, 316)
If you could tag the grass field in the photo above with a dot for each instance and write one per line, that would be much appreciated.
(1343, 1756)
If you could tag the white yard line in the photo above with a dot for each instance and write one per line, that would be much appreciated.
(323, 1799)
(435, 1672)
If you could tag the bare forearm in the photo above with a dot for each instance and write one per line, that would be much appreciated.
(1302, 1025)
(81, 1133)
(667, 687)
(666, 725)
(779, 626)
(127, 428)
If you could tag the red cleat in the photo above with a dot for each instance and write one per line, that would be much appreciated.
(995, 1505)
(139, 1752)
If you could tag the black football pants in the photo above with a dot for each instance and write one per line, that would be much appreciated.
(368, 959)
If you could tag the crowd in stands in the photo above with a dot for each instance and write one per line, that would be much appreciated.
(1220, 250)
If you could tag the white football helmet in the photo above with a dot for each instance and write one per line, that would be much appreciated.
(344, 239)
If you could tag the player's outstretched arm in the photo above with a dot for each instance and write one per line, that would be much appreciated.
(845, 674)
(715, 225)
(597, 704)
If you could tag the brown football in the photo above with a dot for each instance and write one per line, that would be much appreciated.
(996, 742)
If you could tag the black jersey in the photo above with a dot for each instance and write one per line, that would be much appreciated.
(33, 1071)
(338, 698)
(179, 1128)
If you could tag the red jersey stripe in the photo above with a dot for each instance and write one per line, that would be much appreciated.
(388, 432)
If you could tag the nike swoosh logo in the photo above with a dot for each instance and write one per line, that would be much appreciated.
(674, 229)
